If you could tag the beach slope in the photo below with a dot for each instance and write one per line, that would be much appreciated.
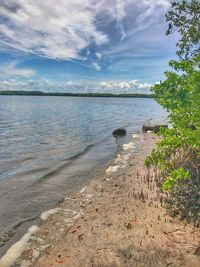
(116, 220)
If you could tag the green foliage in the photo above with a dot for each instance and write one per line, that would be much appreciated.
(179, 94)
(177, 156)
(175, 176)
(184, 18)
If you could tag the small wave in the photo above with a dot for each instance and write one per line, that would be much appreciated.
(66, 162)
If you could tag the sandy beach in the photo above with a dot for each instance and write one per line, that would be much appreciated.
(115, 220)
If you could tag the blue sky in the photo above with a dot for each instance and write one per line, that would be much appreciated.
(83, 45)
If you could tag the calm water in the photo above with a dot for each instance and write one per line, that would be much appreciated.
(47, 145)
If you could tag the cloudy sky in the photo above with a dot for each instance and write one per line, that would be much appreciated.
(83, 45)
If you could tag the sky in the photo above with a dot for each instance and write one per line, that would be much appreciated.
(113, 46)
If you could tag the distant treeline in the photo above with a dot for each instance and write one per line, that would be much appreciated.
(39, 93)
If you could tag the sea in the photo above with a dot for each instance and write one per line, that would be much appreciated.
(50, 146)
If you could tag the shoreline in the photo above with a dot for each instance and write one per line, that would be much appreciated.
(92, 174)
(79, 176)
(40, 93)
(116, 220)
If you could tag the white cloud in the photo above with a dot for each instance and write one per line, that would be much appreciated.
(96, 66)
(120, 15)
(76, 86)
(125, 85)
(144, 85)
(11, 70)
(56, 30)
(62, 29)
(98, 55)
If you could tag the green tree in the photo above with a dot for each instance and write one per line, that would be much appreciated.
(177, 155)
(184, 17)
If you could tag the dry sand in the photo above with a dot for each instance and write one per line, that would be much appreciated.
(118, 221)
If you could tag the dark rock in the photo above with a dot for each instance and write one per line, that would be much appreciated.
(153, 128)
(119, 132)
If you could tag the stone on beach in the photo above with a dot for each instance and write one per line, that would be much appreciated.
(153, 128)
(119, 132)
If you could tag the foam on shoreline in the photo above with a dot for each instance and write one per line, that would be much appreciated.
(111, 169)
(83, 189)
(122, 158)
(45, 215)
(15, 251)
(128, 146)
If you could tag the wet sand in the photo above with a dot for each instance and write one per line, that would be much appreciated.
(116, 220)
